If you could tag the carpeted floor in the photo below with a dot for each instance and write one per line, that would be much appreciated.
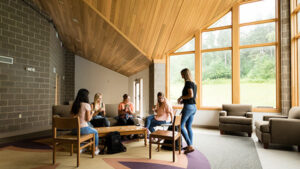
(217, 152)
(227, 151)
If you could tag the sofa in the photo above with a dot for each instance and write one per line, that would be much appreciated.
(111, 113)
(236, 118)
(279, 129)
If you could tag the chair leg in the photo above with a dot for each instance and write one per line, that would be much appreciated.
(249, 134)
(266, 145)
(173, 150)
(71, 150)
(158, 145)
(78, 153)
(93, 147)
(54, 151)
(150, 144)
(179, 140)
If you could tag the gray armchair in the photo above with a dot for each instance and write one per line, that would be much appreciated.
(280, 129)
(236, 117)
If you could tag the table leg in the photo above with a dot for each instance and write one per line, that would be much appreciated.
(145, 139)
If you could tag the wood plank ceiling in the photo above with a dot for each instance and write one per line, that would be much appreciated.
(126, 35)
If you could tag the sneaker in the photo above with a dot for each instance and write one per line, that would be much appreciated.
(97, 152)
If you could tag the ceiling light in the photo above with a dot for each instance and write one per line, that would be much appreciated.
(75, 20)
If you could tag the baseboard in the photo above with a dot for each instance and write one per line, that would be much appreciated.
(206, 126)
(23, 132)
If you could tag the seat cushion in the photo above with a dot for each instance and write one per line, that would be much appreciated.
(164, 134)
(74, 137)
(236, 120)
(263, 126)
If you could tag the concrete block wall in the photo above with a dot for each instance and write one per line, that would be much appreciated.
(27, 97)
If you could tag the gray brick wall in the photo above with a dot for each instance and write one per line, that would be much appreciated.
(31, 41)
(69, 76)
(285, 56)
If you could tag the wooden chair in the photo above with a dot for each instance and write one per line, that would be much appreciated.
(167, 135)
(71, 123)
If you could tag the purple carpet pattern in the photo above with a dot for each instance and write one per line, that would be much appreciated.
(196, 160)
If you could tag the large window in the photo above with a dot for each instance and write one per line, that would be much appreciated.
(138, 95)
(236, 60)
(179, 62)
(295, 53)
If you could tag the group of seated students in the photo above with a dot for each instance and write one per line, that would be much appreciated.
(93, 115)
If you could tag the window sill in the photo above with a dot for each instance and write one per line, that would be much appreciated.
(259, 110)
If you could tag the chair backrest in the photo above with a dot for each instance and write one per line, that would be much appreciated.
(177, 121)
(294, 113)
(65, 122)
(237, 109)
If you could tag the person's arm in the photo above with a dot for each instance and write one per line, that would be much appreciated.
(88, 113)
(130, 109)
(103, 110)
(121, 110)
(190, 94)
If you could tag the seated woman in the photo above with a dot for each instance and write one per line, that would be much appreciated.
(164, 113)
(125, 111)
(99, 119)
(82, 109)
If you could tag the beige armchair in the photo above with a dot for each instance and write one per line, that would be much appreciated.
(280, 129)
(236, 117)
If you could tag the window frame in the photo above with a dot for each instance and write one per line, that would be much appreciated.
(295, 35)
(235, 51)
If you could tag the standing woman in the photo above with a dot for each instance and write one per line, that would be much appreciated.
(82, 109)
(188, 99)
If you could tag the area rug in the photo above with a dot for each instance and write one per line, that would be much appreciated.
(212, 151)
(227, 151)
(37, 154)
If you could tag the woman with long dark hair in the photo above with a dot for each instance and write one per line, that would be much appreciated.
(188, 99)
(82, 109)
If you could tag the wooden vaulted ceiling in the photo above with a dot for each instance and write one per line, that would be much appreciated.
(126, 35)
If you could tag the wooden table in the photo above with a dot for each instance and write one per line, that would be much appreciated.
(124, 130)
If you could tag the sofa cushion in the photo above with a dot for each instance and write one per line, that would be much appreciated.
(263, 126)
(294, 113)
(237, 109)
(62, 110)
(236, 120)
(111, 110)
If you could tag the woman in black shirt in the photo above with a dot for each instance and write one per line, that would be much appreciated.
(188, 99)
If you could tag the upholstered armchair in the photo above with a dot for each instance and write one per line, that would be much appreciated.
(280, 129)
(236, 117)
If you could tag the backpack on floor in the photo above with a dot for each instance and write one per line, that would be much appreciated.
(113, 143)
(170, 142)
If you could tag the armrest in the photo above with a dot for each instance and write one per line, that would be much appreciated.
(267, 117)
(222, 113)
(285, 130)
(249, 115)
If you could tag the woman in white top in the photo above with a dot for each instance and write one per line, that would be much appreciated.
(82, 109)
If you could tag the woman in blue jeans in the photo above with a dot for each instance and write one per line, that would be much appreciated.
(82, 109)
(188, 99)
